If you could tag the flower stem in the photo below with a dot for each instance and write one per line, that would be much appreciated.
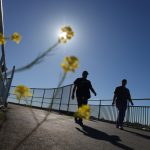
(33, 114)
(45, 118)
(36, 61)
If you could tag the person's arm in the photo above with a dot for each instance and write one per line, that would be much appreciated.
(74, 89)
(93, 91)
(130, 100)
(115, 96)
(91, 88)
(114, 99)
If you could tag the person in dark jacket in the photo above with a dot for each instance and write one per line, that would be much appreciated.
(121, 97)
(82, 87)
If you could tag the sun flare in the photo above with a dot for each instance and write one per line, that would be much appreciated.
(63, 35)
(66, 33)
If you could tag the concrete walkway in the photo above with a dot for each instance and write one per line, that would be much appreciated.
(60, 132)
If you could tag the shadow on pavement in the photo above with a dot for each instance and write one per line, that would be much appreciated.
(99, 135)
(2, 122)
(138, 134)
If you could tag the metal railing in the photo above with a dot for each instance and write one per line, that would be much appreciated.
(138, 115)
(5, 81)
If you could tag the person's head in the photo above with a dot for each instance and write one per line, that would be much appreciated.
(124, 82)
(84, 74)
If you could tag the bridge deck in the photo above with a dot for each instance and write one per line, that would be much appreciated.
(60, 132)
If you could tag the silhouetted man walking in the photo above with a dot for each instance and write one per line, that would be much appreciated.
(82, 86)
(121, 96)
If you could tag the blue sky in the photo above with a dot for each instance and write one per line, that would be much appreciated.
(112, 42)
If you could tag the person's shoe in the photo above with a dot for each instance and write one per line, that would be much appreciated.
(117, 126)
(80, 122)
(76, 120)
(121, 128)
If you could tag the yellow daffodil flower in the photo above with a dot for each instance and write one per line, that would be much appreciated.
(2, 39)
(16, 37)
(66, 34)
(70, 63)
(83, 112)
(22, 91)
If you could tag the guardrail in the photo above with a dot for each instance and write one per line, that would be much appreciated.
(5, 81)
(137, 115)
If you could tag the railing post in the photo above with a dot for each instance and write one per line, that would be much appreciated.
(147, 115)
(8, 85)
(32, 97)
(43, 98)
(128, 114)
(143, 113)
(54, 96)
(61, 98)
(99, 113)
(69, 98)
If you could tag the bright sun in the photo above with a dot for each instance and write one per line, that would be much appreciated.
(63, 35)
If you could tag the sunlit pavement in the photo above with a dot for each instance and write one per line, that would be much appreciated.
(60, 132)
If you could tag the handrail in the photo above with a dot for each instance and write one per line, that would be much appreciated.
(100, 108)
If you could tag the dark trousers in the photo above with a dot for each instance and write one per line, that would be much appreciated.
(81, 101)
(121, 114)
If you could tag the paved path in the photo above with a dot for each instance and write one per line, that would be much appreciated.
(60, 132)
